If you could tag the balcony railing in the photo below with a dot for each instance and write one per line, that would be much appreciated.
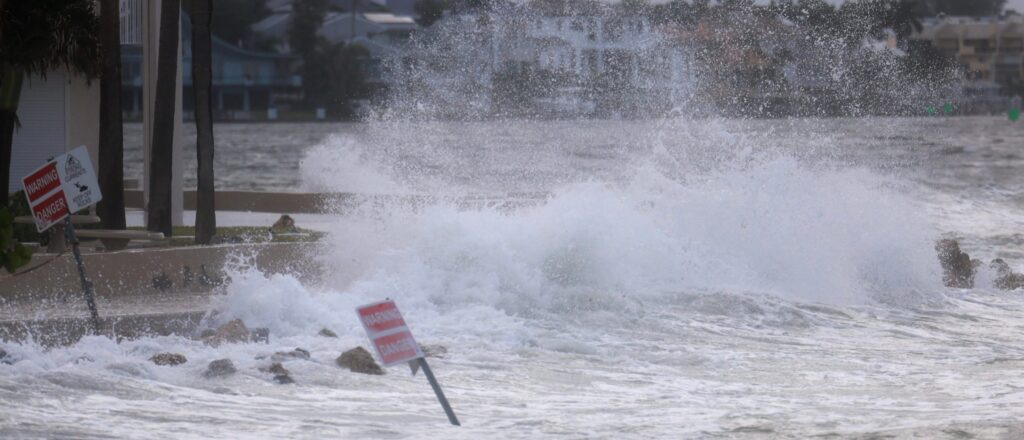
(131, 22)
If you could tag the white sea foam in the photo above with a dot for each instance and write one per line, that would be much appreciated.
(690, 295)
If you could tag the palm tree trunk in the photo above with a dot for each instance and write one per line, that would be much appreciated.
(159, 207)
(111, 167)
(10, 92)
(206, 217)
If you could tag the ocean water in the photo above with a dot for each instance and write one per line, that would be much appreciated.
(665, 279)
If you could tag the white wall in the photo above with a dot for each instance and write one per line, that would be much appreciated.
(44, 129)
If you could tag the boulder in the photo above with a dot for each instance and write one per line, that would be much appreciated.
(957, 267)
(281, 374)
(261, 334)
(434, 350)
(327, 333)
(220, 368)
(4, 358)
(284, 224)
(297, 353)
(359, 360)
(1006, 278)
(284, 379)
(276, 368)
(234, 331)
(169, 359)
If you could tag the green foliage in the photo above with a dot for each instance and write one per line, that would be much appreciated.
(232, 21)
(307, 18)
(12, 254)
(429, 11)
(18, 206)
(334, 75)
(41, 35)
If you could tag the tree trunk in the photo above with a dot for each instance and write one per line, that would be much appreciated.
(206, 217)
(159, 207)
(10, 92)
(111, 166)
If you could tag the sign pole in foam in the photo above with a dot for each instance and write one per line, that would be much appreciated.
(395, 345)
(440, 393)
(63, 186)
(87, 287)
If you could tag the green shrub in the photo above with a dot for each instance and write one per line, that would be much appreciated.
(25, 233)
(12, 254)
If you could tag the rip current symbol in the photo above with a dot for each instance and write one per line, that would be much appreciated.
(73, 168)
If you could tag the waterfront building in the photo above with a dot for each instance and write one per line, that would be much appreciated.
(621, 61)
(246, 83)
(990, 50)
(381, 33)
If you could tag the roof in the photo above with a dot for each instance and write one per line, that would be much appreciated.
(219, 45)
(388, 18)
(969, 28)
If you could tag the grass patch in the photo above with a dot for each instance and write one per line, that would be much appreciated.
(185, 236)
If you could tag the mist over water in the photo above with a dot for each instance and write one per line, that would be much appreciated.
(664, 275)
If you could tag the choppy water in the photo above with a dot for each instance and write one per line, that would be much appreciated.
(681, 279)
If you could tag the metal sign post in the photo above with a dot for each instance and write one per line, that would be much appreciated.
(87, 287)
(394, 343)
(437, 390)
(64, 185)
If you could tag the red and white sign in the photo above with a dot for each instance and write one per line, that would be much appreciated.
(50, 211)
(64, 185)
(387, 330)
(42, 182)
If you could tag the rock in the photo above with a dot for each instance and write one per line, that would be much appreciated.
(4, 358)
(170, 359)
(207, 333)
(1006, 278)
(284, 224)
(234, 331)
(297, 353)
(359, 360)
(219, 368)
(957, 267)
(162, 282)
(284, 379)
(276, 368)
(434, 350)
(207, 279)
(327, 333)
(261, 334)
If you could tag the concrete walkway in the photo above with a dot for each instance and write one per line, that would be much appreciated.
(61, 321)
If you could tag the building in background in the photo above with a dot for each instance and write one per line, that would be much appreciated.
(990, 50)
(381, 33)
(246, 83)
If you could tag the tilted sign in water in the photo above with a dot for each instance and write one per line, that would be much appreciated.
(64, 185)
(390, 336)
(394, 343)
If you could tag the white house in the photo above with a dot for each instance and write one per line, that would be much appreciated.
(57, 113)
(379, 32)
(61, 112)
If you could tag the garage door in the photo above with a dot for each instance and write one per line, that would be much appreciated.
(43, 132)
